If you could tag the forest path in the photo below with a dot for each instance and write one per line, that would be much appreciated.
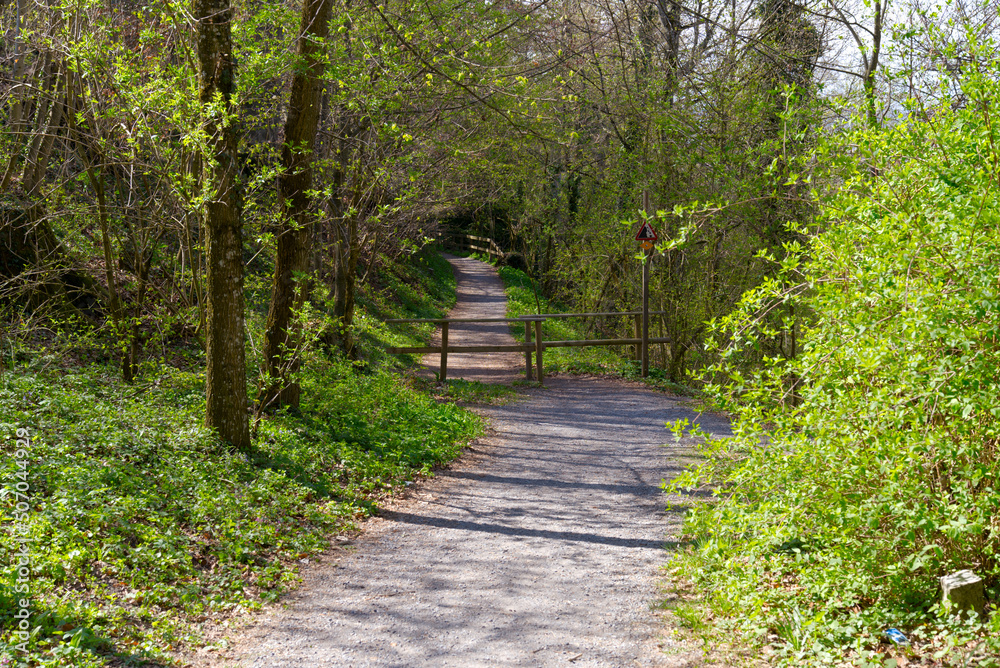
(480, 294)
(539, 547)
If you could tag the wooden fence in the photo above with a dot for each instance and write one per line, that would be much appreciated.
(532, 325)
(467, 242)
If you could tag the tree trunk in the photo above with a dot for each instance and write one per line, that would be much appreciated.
(345, 271)
(225, 375)
(871, 67)
(88, 151)
(635, 128)
(288, 291)
(344, 210)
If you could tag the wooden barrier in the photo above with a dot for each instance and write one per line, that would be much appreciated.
(538, 346)
(469, 242)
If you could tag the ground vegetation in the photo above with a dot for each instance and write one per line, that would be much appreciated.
(863, 468)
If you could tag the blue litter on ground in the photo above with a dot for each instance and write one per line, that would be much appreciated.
(897, 637)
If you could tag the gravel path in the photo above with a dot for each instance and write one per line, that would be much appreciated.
(480, 295)
(539, 548)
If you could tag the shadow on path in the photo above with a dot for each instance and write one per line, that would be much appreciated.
(464, 525)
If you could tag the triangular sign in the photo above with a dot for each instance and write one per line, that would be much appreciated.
(646, 233)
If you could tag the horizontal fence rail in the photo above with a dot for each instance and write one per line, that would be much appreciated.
(519, 347)
(593, 315)
(531, 322)
(523, 318)
(469, 242)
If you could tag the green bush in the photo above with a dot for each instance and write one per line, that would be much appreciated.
(868, 467)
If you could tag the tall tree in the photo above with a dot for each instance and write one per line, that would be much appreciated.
(288, 290)
(868, 39)
(225, 376)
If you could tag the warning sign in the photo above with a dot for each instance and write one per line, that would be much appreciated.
(646, 233)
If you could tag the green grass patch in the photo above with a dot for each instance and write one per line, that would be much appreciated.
(424, 287)
(467, 391)
(524, 299)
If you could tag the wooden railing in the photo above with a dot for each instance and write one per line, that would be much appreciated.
(531, 322)
(468, 242)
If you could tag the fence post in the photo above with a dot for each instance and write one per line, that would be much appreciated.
(527, 353)
(538, 351)
(444, 352)
(637, 333)
(645, 313)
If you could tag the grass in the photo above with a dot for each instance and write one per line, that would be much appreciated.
(467, 391)
(145, 531)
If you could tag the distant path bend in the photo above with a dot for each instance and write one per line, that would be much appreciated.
(480, 295)
(540, 547)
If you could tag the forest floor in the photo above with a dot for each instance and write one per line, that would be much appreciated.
(541, 546)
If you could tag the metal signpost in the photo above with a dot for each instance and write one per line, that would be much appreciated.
(647, 237)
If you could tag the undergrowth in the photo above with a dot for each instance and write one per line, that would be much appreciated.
(865, 468)
(144, 530)
(466, 391)
(523, 299)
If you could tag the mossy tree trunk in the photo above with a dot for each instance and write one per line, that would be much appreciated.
(225, 377)
(282, 341)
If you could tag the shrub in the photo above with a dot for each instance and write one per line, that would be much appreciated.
(867, 467)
